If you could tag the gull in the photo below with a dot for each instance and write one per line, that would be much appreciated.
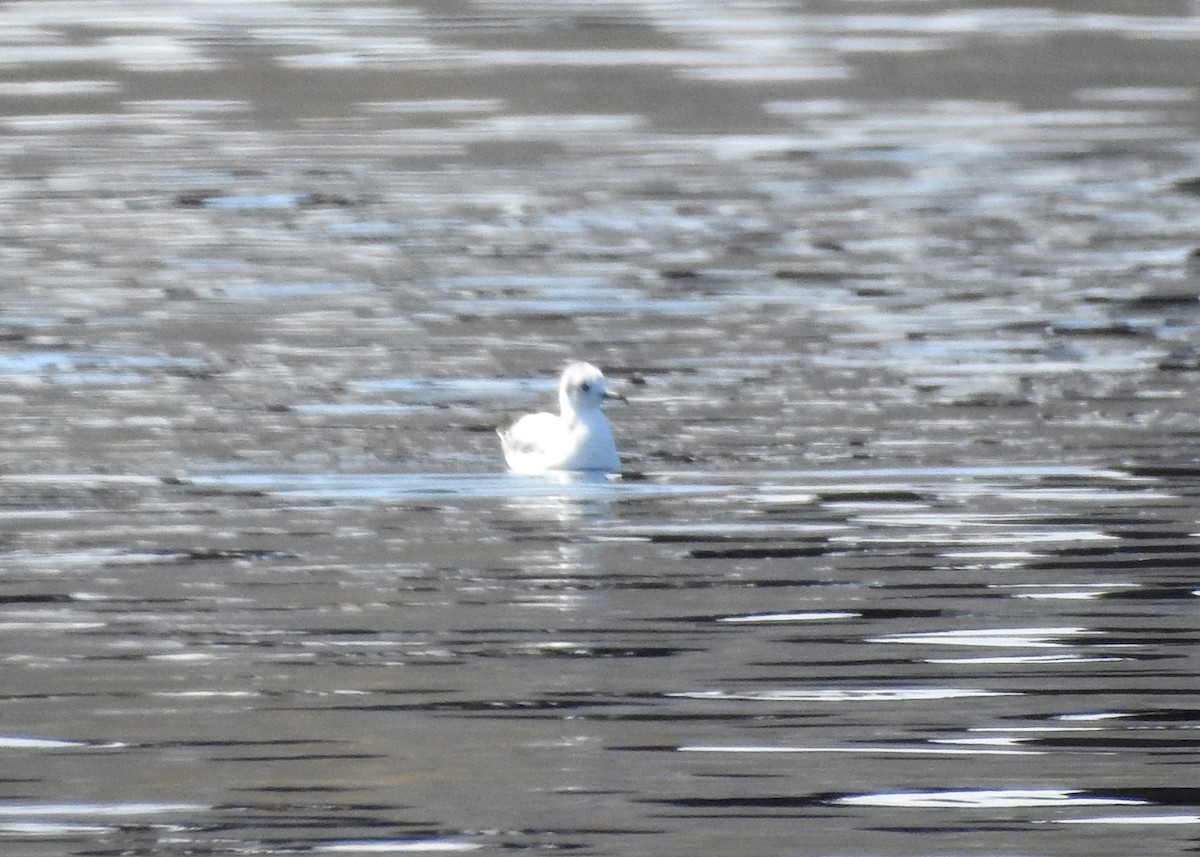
(576, 438)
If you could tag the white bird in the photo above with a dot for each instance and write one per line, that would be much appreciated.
(576, 438)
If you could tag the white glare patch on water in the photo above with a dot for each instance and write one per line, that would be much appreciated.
(550, 126)
(183, 657)
(875, 751)
(205, 694)
(436, 105)
(1055, 729)
(80, 480)
(1084, 495)
(254, 202)
(18, 743)
(98, 557)
(992, 555)
(1063, 595)
(51, 626)
(397, 846)
(102, 810)
(789, 499)
(788, 617)
(51, 88)
(50, 828)
(1132, 819)
(998, 741)
(172, 107)
(867, 505)
(1017, 637)
(1068, 592)
(986, 799)
(989, 538)
(1029, 659)
(727, 528)
(895, 694)
(1137, 94)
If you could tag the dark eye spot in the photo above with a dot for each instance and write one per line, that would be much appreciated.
(585, 387)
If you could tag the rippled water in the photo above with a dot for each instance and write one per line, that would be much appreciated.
(904, 557)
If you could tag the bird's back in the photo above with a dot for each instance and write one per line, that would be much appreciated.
(528, 443)
(543, 441)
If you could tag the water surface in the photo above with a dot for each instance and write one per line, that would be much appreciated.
(903, 558)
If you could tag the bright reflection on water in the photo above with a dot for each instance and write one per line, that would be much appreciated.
(902, 557)
(986, 798)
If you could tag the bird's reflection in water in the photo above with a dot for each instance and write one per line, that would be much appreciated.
(556, 537)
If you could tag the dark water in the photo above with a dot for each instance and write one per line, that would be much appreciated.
(905, 557)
